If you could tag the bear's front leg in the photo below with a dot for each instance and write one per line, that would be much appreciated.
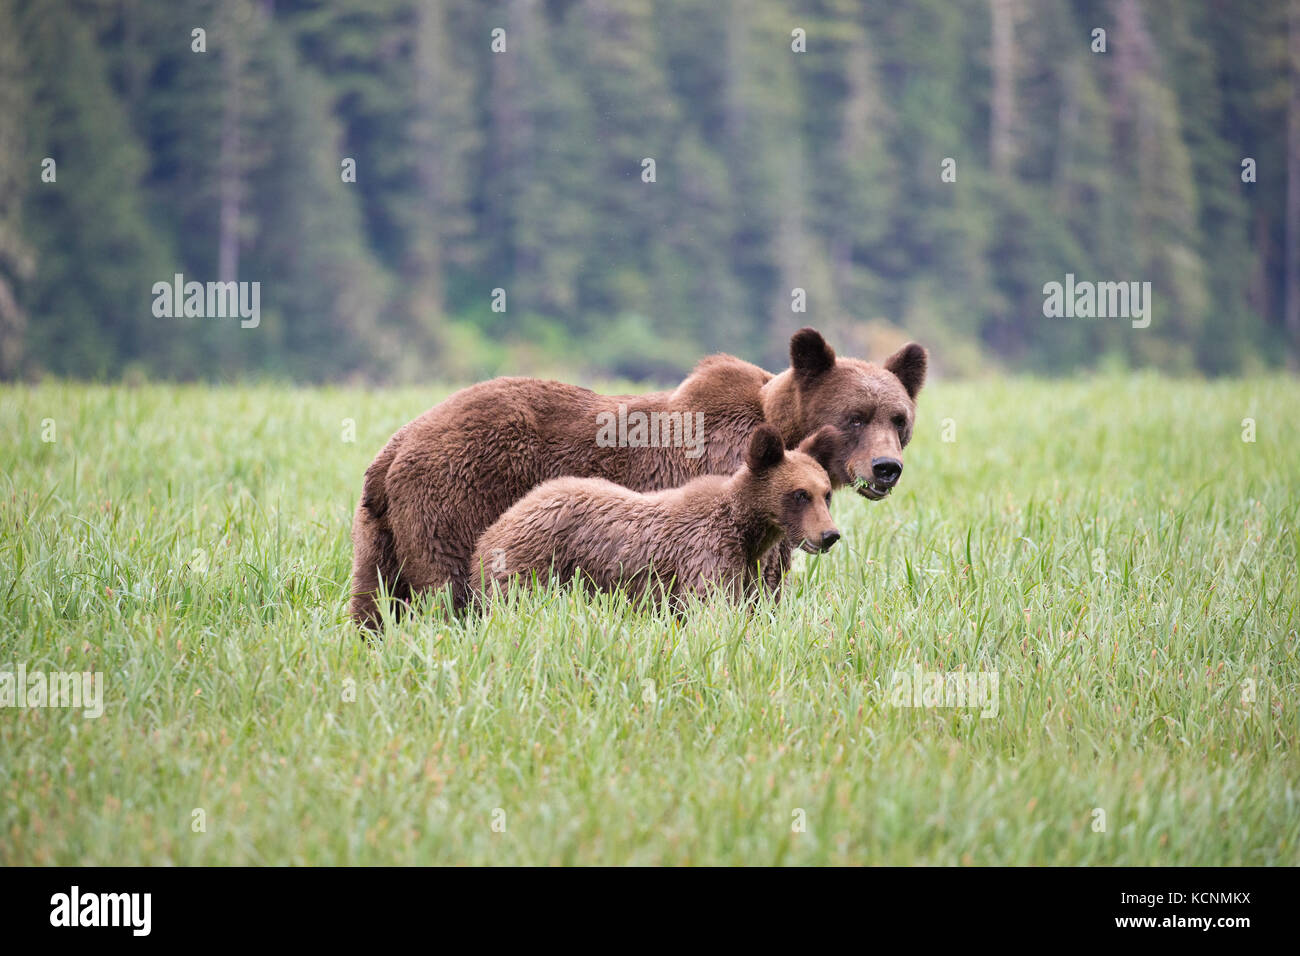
(775, 565)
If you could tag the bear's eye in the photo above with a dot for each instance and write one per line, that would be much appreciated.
(802, 497)
(900, 422)
(857, 421)
(828, 498)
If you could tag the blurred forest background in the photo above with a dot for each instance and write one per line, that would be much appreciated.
(522, 170)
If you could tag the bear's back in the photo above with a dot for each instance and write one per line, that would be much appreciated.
(605, 530)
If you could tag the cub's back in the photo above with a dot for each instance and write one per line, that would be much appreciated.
(589, 523)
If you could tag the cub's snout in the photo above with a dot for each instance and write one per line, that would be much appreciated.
(820, 543)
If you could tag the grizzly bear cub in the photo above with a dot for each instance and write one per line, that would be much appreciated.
(709, 533)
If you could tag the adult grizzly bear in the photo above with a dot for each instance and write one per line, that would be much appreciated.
(710, 533)
(447, 475)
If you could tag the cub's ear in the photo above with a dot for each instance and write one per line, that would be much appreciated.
(822, 446)
(766, 450)
(909, 364)
(810, 356)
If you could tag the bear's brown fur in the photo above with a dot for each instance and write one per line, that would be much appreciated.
(709, 533)
(447, 475)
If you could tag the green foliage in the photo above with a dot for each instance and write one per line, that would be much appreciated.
(1114, 550)
(521, 170)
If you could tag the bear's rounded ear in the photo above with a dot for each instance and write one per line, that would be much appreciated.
(766, 450)
(810, 356)
(909, 364)
(822, 446)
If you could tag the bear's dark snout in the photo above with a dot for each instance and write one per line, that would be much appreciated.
(886, 471)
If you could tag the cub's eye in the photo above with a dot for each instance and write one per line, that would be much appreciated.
(900, 421)
(802, 497)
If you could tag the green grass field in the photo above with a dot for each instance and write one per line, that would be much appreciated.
(1113, 549)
